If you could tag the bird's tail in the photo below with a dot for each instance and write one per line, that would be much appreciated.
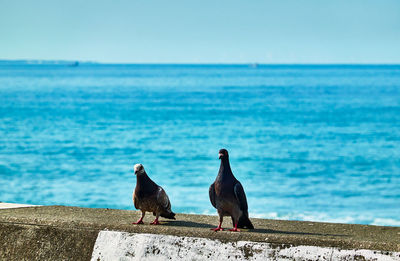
(170, 215)
(244, 222)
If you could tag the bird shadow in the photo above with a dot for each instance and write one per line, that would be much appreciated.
(181, 223)
(271, 231)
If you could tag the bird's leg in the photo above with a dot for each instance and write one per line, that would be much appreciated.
(140, 221)
(219, 228)
(235, 229)
(155, 222)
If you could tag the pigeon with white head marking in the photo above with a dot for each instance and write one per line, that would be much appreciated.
(148, 196)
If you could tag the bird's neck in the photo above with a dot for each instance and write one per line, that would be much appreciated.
(143, 182)
(225, 169)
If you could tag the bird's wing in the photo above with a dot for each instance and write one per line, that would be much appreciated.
(162, 198)
(135, 200)
(211, 192)
(240, 196)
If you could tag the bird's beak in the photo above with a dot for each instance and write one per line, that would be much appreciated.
(220, 155)
(135, 172)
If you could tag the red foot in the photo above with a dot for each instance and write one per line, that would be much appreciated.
(140, 221)
(155, 222)
(234, 229)
(217, 229)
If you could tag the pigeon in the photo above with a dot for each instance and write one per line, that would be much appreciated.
(148, 196)
(228, 197)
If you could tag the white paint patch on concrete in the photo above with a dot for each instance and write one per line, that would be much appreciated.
(12, 205)
(113, 245)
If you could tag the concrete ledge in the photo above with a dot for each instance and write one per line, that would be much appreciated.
(58, 232)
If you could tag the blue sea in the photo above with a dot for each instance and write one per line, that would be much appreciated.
(308, 142)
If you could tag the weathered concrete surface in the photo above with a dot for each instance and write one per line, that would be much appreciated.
(76, 228)
(115, 245)
(32, 242)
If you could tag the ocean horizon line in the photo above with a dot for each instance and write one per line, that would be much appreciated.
(251, 64)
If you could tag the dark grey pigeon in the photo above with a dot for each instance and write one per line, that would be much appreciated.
(148, 196)
(228, 197)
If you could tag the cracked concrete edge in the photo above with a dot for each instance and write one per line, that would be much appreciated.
(30, 242)
(114, 245)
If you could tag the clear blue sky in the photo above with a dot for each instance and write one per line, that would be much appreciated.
(206, 31)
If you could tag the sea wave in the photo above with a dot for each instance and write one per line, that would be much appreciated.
(323, 217)
(386, 222)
